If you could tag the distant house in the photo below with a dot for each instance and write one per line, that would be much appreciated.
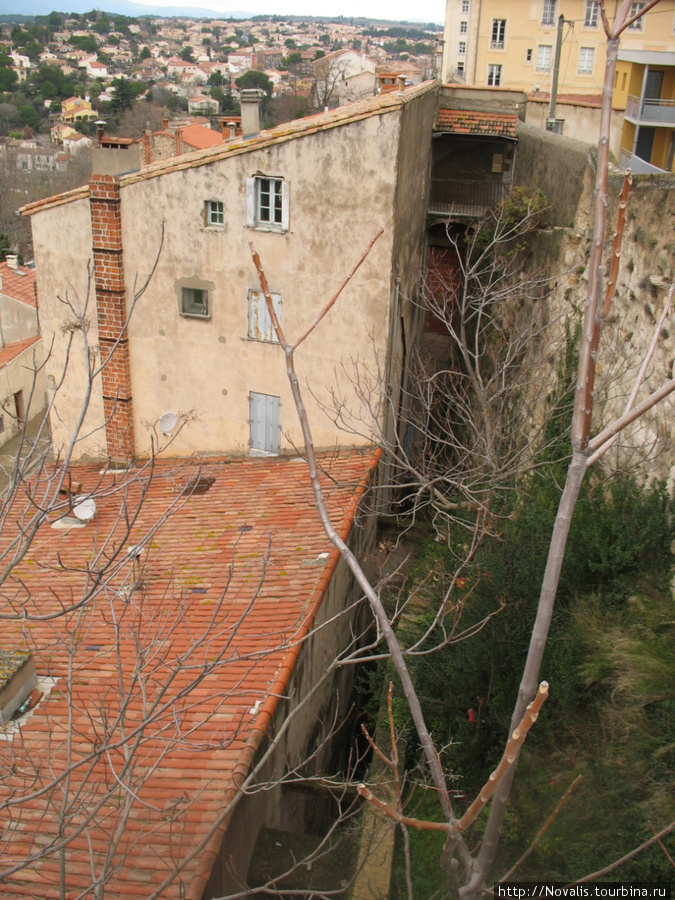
(23, 383)
(76, 108)
(202, 103)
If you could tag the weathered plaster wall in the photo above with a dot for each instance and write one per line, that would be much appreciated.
(63, 236)
(25, 374)
(341, 188)
(17, 320)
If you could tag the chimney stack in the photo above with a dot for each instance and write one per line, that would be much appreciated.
(100, 129)
(401, 85)
(12, 260)
(250, 112)
(165, 124)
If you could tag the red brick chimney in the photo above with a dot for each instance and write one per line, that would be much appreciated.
(106, 228)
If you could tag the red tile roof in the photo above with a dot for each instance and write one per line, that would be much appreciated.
(460, 121)
(231, 579)
(592, 100)
(19, 283)
(199, 137)
(11, 351)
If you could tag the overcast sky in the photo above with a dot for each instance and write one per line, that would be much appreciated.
(398, 10)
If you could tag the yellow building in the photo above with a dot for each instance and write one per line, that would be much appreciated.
(75, 108)
(489, 43)
(645, 87)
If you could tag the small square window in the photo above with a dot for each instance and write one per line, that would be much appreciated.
(463, 27)
(460, 68)
(194, 302)
(215, 212)
(528, 55)
(465, 7)
(462, 47)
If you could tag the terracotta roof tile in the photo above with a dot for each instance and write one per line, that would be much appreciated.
(199, 137)
(11, 351)
(460, 121)
(231, 580)
(19, 283)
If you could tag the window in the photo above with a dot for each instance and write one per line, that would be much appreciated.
(634, 10)
(498, 34)
(460, 69)
(494, 75)
(265, 424)
(214, 212)
(528, 55)
(544, 53)
(465, 7)
(194, 302)
(548, 15)
(592, 13)
(463, 27)
(267, 203)
(462, 48)
(586, 60)
(260, 326)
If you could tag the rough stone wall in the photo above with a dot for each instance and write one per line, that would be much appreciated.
(565, 170)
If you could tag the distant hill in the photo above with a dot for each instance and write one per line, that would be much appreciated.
(124, 7)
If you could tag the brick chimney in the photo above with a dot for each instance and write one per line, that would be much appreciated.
(106, 229)
(250, 112)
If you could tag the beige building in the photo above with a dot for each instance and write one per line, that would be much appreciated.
(199, 342)
(492, 44)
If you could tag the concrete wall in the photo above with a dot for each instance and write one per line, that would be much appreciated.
(582, 123)
(557, 165)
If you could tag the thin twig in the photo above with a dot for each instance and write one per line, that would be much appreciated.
(619, 862)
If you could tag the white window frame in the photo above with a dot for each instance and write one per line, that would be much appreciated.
(544, 58)
(548, 12)
(494, 78)
(465, 7)
(260, 326)
(586, 60)
(634, 10)
(592, 14)
(463, 27)
(460, 68)
(194, 302)
(498, 38)
(267, 203)
(462, 48)
(214, 213)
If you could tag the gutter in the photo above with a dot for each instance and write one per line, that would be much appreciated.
(211, 852)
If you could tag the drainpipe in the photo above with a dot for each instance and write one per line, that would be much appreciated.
(475, 55)
(550, 124)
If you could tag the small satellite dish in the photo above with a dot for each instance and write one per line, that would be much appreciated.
(168, 422)
(85, 509)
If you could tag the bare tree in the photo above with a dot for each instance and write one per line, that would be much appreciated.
(468, 872)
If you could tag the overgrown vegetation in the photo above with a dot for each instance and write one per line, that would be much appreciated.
(610, 662)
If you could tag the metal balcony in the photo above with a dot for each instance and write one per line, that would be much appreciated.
(456, 197)
(650, 112)
(638, 166)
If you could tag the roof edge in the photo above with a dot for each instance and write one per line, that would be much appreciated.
(298, 128)
(211, 850)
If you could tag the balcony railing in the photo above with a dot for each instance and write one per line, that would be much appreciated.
(657, 112)
(455, 197)
(638, 166)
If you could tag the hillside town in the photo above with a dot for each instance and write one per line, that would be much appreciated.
(336, 453)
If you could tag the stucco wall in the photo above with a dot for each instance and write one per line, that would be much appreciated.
(341, 188)
(24, 373)
(18, 321)
(62, 241)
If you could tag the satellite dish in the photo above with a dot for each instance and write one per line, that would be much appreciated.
(85, 509)
(168, 422)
